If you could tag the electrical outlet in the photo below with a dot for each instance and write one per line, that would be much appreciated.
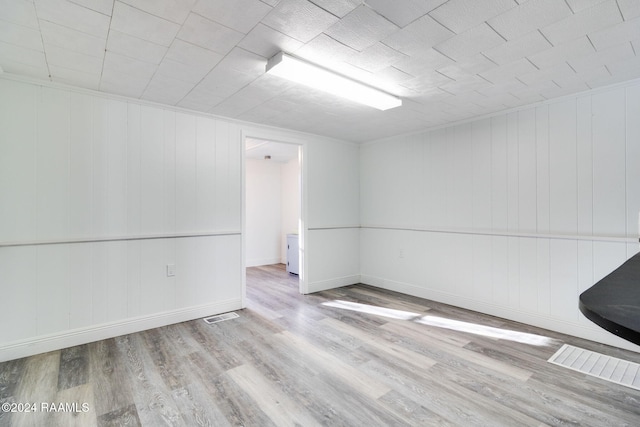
(401, 254)
(171, 270)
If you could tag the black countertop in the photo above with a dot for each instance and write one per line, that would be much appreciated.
(614, 302)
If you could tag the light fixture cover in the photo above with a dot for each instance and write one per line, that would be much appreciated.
(314, 76)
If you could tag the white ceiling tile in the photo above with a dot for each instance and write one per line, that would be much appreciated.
(22, 12)
(428, 60)
(622, 67)
(587, 75)
(418, 36)
(266, 42)
(200, 99)
(192, 55)
(461, 15)
(209, 34)
(586, 21)
(299, 19)
(240, 15)
(57, 35)
(471, 42)
(11, 66)
(361, 28)
(560, 70)
(562, 91)
(563, 52)
(517, 48)
(73, 16)
(338, 7)
(509, 71)
(187, 62)
(74, 60)
(242, 101)
(454, 72)
(21, 55)
(74, 77)
(625, 75)
(103, 6)
(166, 90)
(20, 35)
(630, 8)
(467, 84)
(621, 33)
(171, 10)
(578, 5)
(392, 75)
(476, 64)
(244, 62)
(528, 17)
(135, 48)
(325, 51)
(505, 86)
(140, 70)
(406, 12)
(607, 56)
(226, 79)
(428, 80)
(135, 22)
(121, 83)
(376, 57)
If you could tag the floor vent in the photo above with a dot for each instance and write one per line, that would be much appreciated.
(608, 368)
(220, 318)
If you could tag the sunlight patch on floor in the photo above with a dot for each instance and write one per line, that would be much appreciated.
(441, 322)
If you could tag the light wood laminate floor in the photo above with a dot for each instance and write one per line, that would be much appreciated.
(354, 356)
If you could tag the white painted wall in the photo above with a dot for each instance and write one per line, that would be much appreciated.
(273, 209)
(290, 185)
(126, 187)
(513, 215)
(93, 193)
(264, 212)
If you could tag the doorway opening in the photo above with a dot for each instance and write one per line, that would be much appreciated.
(273, 234)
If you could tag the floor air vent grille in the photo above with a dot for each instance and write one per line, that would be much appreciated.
(220, 318)
(608, 368)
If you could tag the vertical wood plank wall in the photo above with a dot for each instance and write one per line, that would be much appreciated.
(513, 215)
(78, 166)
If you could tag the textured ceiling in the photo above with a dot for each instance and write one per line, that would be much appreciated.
(448, 60)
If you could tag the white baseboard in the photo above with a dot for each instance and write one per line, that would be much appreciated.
(593, 333)
(333, 283)
(70, 338)
(263, 261)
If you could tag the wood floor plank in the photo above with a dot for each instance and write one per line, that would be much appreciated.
(123, 417)
(151, 396)
(292, 359)
(80, 407)
(39, 384)
(281, 409)
(109, 378)
(74, 367)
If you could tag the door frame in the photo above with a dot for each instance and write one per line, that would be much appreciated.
(303, 229)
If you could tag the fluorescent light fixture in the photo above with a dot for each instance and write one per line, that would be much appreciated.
(299, 71)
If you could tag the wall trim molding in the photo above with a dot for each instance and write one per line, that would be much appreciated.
(337, 282)
(564, 326)
(70, 338)
(118, 238)
(551, 236)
